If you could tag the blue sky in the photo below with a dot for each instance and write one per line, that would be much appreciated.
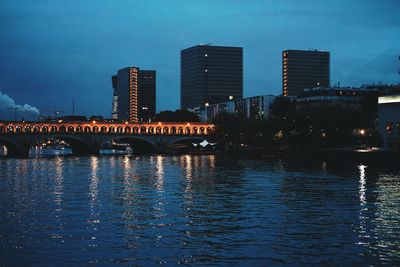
(58, 50)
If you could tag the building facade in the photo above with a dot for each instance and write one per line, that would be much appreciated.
(147, 95)
(389, 121)
(134, 98)
(304, 69)
(335, 96)
(114, 112)
(210, 74)
(256, 107)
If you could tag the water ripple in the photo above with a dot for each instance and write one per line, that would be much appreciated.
(196, 210)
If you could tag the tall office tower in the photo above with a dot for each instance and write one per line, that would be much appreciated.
(136, 94)
(210, 74)
(147, 95)
(304, 70)
(114, 113)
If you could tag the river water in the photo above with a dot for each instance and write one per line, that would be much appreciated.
(196, 210)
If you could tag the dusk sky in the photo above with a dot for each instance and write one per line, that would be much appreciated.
(56, 51)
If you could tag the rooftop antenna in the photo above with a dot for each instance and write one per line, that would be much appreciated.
(73, 107)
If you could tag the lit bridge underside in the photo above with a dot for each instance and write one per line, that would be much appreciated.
(88, 137)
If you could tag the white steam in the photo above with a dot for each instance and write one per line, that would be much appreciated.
(8, 106)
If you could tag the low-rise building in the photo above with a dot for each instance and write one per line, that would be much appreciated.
(335, 96)
(256, 107)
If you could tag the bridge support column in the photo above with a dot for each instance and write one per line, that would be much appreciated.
(18, 151)
(86, 149)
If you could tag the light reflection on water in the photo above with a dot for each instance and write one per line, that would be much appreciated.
(203, 210)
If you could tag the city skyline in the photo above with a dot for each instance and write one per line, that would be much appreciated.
(73, 56)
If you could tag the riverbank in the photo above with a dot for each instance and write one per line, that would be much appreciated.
(373, 155)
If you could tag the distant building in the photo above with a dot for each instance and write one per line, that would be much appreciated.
(389, 121)
(256, 107)
(114, 113)
(384, 89)
(304, 69)
(72, 118)
(134, 96)
(210, 74)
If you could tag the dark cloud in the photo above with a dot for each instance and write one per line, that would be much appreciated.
(56, 51)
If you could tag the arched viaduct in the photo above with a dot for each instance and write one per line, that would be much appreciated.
(89, 137)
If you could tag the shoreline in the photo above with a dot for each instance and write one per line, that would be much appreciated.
(320, 154)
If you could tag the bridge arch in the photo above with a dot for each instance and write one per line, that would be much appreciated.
(17, 149)
(80, 146)
(139, 144)
(166, 130)
(173, 130)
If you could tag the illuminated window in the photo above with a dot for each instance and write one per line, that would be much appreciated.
(389, 128)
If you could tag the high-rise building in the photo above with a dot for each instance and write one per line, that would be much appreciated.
(304, 70)
(135, 94)
(210, 74)
(147, 95)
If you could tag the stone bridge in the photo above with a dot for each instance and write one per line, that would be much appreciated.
(88, 137)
